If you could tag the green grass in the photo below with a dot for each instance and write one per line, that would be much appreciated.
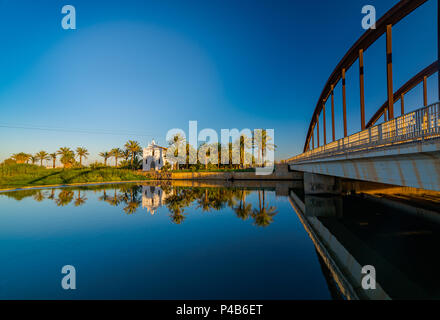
(20, 175)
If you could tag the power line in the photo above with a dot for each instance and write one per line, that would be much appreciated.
(71, 130)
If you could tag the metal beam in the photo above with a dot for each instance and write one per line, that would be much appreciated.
(402, 104)
(390, 72)
(344, 103)
(361, 86)
(333, 113)
(317, 128)
(323, 124)
(425, 91)
(414, 81)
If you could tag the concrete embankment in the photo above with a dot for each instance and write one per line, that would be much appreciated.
(280, 173)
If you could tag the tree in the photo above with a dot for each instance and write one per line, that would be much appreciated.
(117, 153)
(244, 143)
(53, 157)
(21, 157)
(105, 155)
(33, 159)
(262, 141)
(42, 155)
(126, 155)
(81, 153)
(174, 146)
(134, 148)
(67, 156)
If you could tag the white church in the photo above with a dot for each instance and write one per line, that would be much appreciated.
(154, 157)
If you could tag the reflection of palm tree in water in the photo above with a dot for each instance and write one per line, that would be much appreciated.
(131, 200)
(115, 200)
(104, 196)
(204, 202)
(244, 210)
(176, 204)
(264, 216)
(39, 196)
(177, 214)
(80, 200)
(52, 194)
(64, 198)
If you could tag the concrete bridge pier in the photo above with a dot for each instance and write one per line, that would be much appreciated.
(318, 184)
(323, 206)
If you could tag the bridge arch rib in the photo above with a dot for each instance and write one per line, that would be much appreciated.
(383, 26)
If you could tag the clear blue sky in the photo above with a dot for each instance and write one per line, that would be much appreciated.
(139, 68)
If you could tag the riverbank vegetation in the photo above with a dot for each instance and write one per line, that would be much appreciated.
(24, 169)
(20, 175)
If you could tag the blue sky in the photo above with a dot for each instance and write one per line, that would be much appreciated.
(135, 69)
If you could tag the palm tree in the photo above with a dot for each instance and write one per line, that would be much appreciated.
(126, 154)
(134, 148)
(21, 157)
(53, 156)
(116, 153)
(33, 159)
(262, 141)
(175, 142)
(67, 156)
(82, 153)
(244, 142)
(42, 155)
(105, 155)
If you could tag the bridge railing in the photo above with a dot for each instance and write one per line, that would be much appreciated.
(421, 124)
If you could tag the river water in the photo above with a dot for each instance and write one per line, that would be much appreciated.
(130, 241)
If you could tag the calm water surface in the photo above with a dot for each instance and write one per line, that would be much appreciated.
(161, 242)
(130, 241)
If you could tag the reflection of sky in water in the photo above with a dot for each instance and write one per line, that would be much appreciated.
(200, 243)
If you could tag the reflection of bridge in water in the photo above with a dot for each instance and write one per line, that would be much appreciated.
(351, 232)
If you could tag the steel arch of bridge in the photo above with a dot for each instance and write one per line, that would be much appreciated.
(383, 26)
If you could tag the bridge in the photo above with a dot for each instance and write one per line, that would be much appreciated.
(403, 150)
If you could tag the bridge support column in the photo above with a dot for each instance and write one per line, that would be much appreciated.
(315, 184)
(316, 206)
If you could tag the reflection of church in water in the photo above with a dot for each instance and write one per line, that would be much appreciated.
(152, 198)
